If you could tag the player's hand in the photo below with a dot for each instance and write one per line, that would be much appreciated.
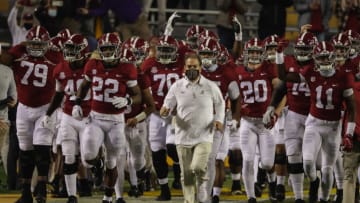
(237, 29)
(170, 24)
(77, 112)
(47, 122)
(219, 126)
(270, 117)
(132, 122)
(233, 125)
(121, 102)
(347, 143)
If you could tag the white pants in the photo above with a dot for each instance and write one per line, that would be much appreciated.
(136, 137)
(29, 130)
(159, 128)
(107, 132)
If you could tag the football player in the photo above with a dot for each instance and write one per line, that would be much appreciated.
(33, 64)
(110, 81)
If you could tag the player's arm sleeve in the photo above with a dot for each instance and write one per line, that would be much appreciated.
(219, 104)
(233, 90)
(349, 86)
(132, 82)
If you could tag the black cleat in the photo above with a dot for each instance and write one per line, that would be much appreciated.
(236, 188)
(84, 188)
(313, 191)
(177, 185)
(106, 201)
(72, 199)
(339, 196)
(215, 199)
(258, 190)
(252, 200)
(165, 194)
(280, 192)
(134, 192)
(40, 199)
(272, 192)
(299, 201)
(120, 200)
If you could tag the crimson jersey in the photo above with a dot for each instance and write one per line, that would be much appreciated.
(222, 76)
(70, 80)
(298, 94)
(357, 103)
(108, 83)
(33, 76)
(135, 109)
(350, 66)
(256, 89)
(327, 93)
(161, 77)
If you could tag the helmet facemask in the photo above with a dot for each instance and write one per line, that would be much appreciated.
(270, 52)
(193, 42)
(109, 53)
(254, 55)
(208, 58)
(72, 52)
(325, 64)
(166, 54)
(341, 53)
(37, 48)
(303, 53)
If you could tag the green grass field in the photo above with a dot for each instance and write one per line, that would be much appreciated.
(7, 196)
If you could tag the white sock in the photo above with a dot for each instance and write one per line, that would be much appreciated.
(280, 180)
(235, 176)
(297, 182)
(216, 191)
(70, 181)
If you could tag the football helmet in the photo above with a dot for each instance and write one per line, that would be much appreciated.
(109, 47)
(138, 46)
(75, 48)
(253, 51)
(37, 41)
(224, 55)
(324, 57)
(57, 43)
(207, 34)
(166, 50)
(354, 38)
(192, 36)
(304, 46)
(342, 45)
(65, 33)
(127, 56)
(270, 44)
(209, 51)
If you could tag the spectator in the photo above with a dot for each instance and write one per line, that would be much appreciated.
(272, 19)
(348, 12)
(302, 7)
(129, 15)
(18, 29)
(229, 9)
(321, 11)
(161, 5)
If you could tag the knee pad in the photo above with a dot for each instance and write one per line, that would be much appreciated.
(296, 168)
(160, 164)
(235, 158)
(280, 159)
(27, 164)
(42, 159)
(171, 150)
(70, 168)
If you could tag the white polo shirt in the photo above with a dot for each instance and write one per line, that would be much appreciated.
(7, 88)
(198, 105)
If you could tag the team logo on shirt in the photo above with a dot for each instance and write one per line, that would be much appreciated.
(154, 69)
(62, 75)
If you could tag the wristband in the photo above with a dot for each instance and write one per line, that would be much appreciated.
(350, 128)
(279, 58)
(141, 116)
(238, 36)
